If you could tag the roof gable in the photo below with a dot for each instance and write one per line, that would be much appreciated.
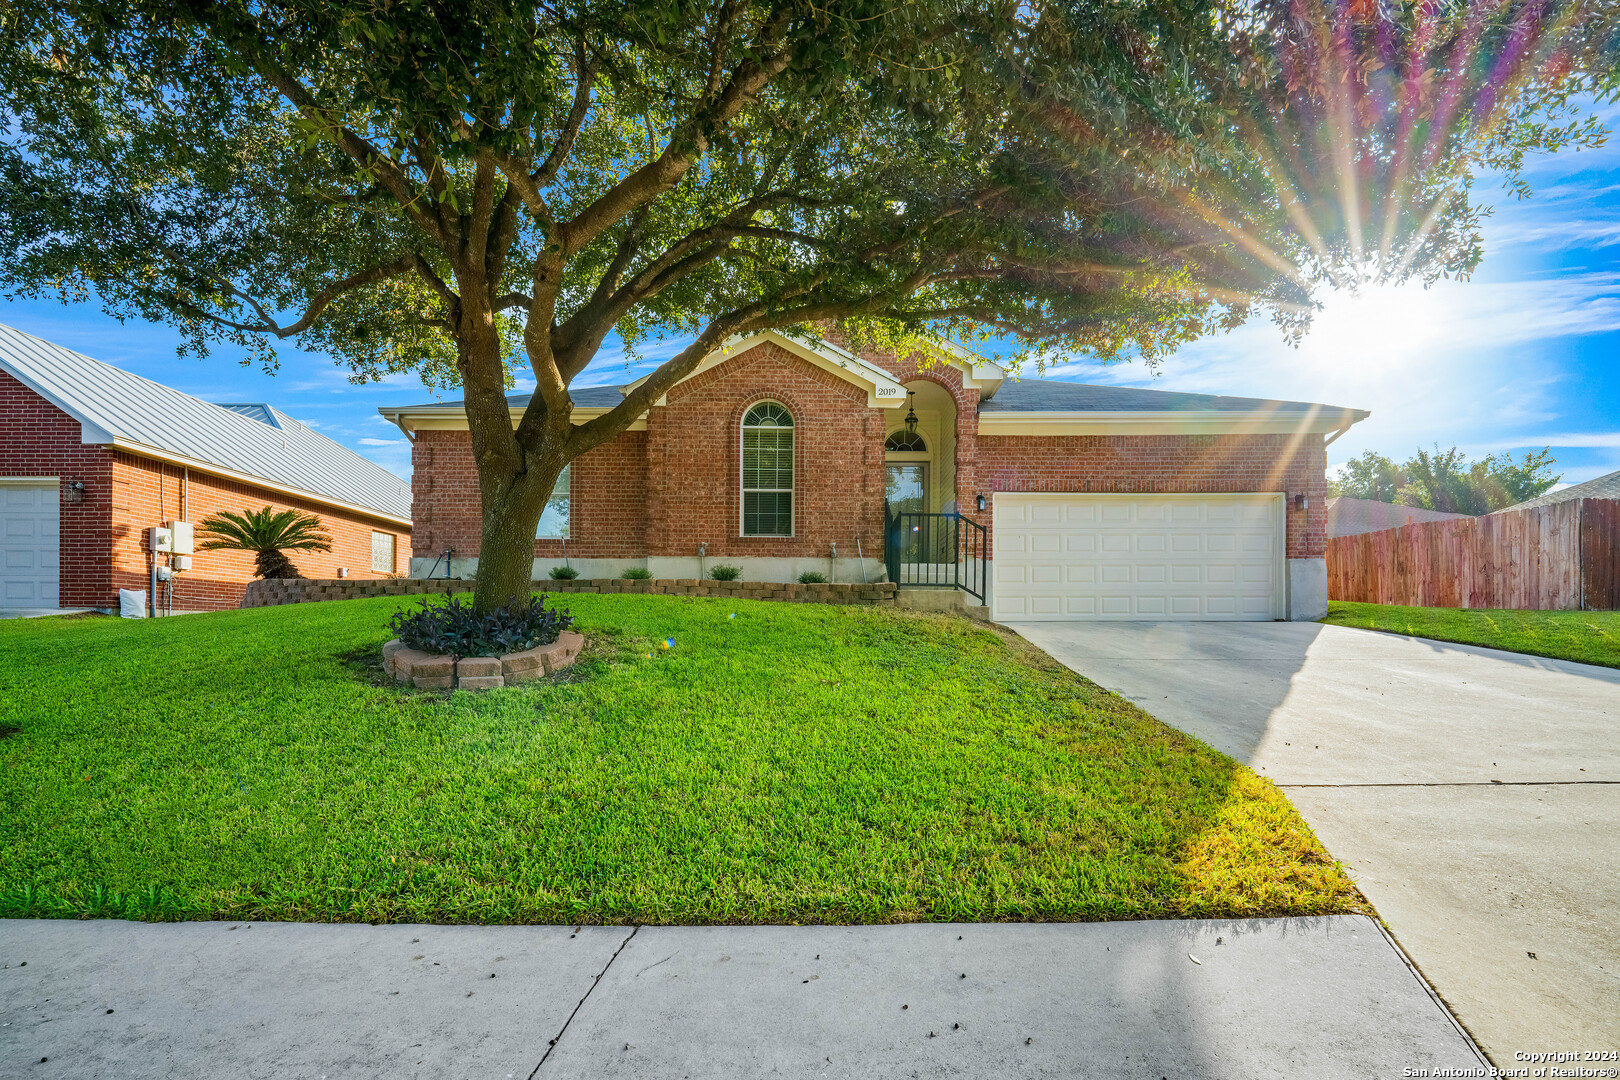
(248, 441)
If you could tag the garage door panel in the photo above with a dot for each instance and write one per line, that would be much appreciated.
(1192, 556)
(29, 543)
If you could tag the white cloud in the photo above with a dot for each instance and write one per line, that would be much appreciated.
(1439, 365)
(1557, 440)
(382, 442)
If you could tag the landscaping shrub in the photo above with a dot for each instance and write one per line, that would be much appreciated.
(454, 627)
(563, 573)
(726, 573)
(637, 573)
(811, 577)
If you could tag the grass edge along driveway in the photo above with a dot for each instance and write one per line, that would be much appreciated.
(1586, 637)
(780, 764)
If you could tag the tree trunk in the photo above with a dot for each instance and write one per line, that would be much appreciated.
(514, 479)
(506, 551)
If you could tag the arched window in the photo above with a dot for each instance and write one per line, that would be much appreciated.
(767, 471)
(906, 442)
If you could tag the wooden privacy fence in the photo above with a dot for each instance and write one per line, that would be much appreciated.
(1558, 557)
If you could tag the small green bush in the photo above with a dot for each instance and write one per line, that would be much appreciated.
(726, 573)
(811, 577)
(637, 573)
(563, 573)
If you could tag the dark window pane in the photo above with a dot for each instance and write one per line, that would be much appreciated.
(767, 513)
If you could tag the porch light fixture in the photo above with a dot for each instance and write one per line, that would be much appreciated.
(911, 413)
(1302, 502)
(980, 501)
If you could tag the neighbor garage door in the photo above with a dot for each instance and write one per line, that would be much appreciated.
(1085, 556)
(29, 541)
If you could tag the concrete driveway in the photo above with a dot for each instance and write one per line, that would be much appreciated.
(1474, 795)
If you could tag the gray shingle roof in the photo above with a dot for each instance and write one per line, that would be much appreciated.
(1603, 487)
(1027, 395)
(586, 397)
(1351, 517)
(1051, 395)
(251, 439)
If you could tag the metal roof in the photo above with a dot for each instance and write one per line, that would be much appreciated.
(1051, 395)
(252, 441)
(1602, 487)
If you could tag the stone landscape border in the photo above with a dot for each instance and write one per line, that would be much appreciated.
(427, 671)
(271, 592)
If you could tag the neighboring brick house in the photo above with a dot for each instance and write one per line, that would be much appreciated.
(781, 456)
(92, 457)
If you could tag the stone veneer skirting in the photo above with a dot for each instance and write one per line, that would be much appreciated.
(271, 592)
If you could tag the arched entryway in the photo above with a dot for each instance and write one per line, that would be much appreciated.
(920, 459)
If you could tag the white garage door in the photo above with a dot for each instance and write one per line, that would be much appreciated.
(1087, 556)
(30, 537)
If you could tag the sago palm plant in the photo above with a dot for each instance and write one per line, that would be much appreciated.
(267, 534)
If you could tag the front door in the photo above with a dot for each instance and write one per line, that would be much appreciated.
(906, 487)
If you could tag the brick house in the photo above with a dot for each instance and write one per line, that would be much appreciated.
(782, 455)
(93, 457)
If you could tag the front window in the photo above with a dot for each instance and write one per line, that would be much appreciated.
(554, 518)
(767, 471)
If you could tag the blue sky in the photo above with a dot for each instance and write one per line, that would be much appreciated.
(1521, 356)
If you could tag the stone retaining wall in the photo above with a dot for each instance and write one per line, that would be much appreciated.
(442, 672)
(271, 592)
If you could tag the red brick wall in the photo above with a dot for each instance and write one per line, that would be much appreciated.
(38, 439)
(694, 461)
(607, 500)
(1166, 463)
(146, 493)
(664, 491)
(103, 540)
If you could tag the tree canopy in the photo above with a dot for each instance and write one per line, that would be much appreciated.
(461, 189)
(1447, 480)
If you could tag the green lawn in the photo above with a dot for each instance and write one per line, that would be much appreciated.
(1590, 637)
(782, 763)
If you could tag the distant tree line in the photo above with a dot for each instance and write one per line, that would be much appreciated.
(1447, 480)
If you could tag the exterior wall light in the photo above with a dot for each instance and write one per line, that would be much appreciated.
(1302, 502)
(980, 500)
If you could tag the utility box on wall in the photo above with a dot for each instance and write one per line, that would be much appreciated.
(179, 537)
(157, 539)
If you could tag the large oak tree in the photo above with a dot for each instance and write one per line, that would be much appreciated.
(465, 188)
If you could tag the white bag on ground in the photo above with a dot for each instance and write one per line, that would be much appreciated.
(132, 603)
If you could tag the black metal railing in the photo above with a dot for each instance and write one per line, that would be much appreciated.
(942, 551)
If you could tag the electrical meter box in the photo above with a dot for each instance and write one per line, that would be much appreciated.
(179, 537)
(158, 539)
(182, 562)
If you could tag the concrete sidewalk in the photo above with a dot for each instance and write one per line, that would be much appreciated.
(1473, 794)
(1320, 997)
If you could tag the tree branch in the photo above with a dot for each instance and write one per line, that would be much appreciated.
(684, 148)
